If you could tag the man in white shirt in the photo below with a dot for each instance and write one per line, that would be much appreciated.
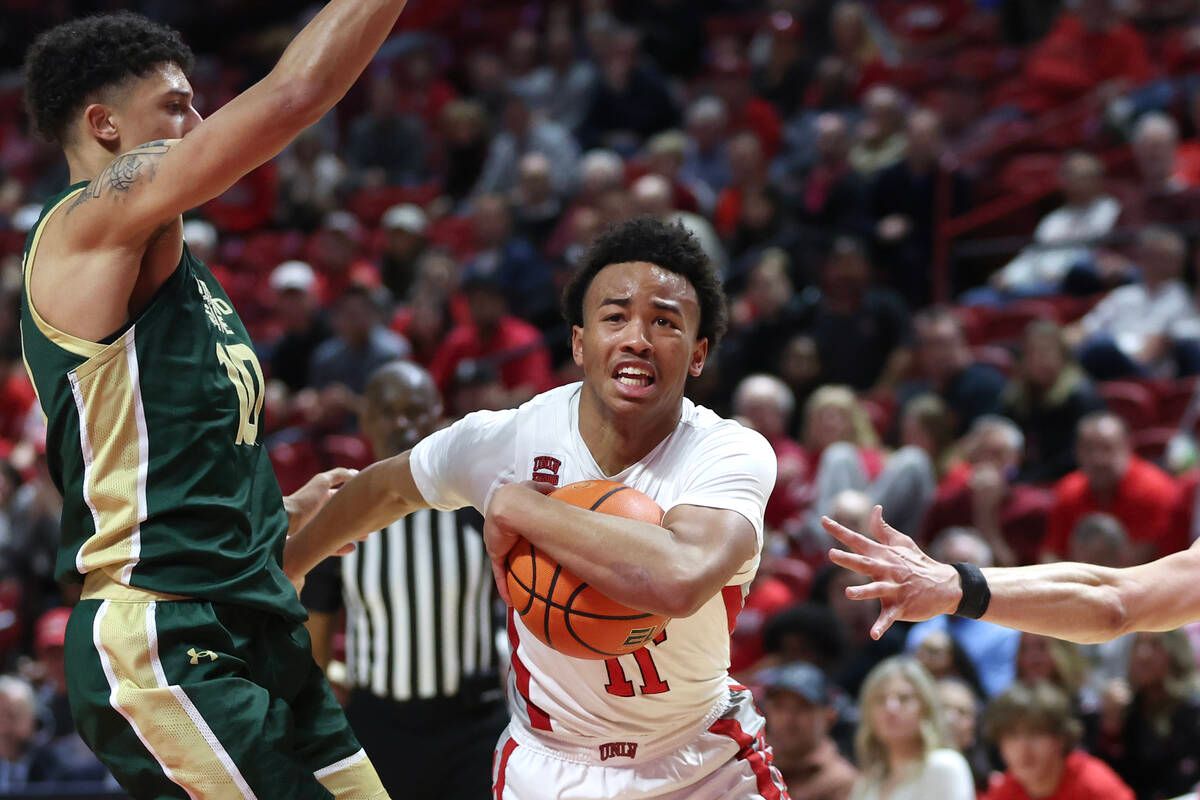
(666, 722)
(1127, 333)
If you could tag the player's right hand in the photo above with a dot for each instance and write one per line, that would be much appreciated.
(908, 583)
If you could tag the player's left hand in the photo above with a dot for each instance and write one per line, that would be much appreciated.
(909, 584)
(303, 504)
(499, 539)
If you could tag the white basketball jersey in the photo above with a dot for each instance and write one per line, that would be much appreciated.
(673, 683)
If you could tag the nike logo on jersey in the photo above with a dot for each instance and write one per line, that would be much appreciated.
(199, 654)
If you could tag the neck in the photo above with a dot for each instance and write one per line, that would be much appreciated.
(1045, 785)
(619, 441)
(901, 754)
(86, 165)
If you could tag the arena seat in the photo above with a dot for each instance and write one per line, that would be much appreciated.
(1132, 402)
(1151, 443)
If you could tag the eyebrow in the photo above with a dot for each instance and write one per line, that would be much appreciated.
(177, 92)
(616, 301)
(667, 305)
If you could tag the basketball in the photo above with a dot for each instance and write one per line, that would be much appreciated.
(563, 611)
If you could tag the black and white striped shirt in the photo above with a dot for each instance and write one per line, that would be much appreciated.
(419, 606)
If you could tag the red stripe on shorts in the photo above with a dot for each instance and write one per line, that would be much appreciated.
(732, 595)
(498, 788)
(753, 753)
(537, 718)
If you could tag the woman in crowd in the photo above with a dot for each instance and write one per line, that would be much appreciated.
(903, 751)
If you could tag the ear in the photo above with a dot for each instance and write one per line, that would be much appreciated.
(699, 355)
(577, 344)
(101, 125)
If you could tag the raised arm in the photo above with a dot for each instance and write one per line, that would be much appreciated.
(368, 502)
(156, 182)
(1079, 602)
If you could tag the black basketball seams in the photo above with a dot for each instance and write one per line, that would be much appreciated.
(528, 589)
(549, 606)
(607, 495)
(571, 628)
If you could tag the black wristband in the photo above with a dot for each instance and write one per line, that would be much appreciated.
(975, 592)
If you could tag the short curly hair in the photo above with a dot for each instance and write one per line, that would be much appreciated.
(667, 245)
(70, 62)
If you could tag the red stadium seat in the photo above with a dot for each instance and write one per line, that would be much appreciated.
(1132, 402)
(295, 463)
(1151, 443)
(346, 451)
(1173, 399)
(1008, 324)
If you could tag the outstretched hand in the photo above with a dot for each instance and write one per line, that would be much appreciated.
(909, 584)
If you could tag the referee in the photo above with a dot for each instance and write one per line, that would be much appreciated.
(425, 697)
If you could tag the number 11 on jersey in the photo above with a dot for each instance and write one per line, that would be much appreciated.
(652, 683)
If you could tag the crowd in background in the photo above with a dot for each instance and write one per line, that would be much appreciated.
(958, 237)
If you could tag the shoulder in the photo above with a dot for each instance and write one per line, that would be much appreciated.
(1071, 487)
(709, 430)
(1150, 479)
(945, 762)
(1096, 777)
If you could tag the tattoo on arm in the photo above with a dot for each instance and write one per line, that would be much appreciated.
(125, 171)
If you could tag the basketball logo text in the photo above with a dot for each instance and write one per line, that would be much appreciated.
(639, 636)
(618, 750)
(545, 469)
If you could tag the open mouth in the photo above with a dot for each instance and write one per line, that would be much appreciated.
(637, 377)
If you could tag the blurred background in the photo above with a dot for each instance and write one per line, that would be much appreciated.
(959, 239)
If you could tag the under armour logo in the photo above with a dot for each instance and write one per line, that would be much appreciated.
(197, 655)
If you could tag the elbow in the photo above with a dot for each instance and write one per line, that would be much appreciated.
(299, 102)
(1112, 619)
(683, 597)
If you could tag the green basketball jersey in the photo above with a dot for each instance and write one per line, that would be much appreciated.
(155, 441)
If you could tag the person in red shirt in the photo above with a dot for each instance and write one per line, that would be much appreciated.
(1036, 732)
(496, 342)
(1085, 49)
(765, 403)
(1010, 516)
(1112, 479)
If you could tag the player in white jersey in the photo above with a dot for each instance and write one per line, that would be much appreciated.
(666, 722)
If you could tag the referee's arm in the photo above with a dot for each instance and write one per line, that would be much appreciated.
(376, 497)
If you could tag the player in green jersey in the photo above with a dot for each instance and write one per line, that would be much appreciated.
(189, 670)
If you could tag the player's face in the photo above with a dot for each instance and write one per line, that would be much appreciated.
(638, 343)
(158, 106)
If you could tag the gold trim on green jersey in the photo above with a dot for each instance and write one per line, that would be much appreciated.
(161, 714)
(352, 778)
(72, 344)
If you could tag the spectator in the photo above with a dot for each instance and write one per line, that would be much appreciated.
(829, 196)
(522, 133)
(905, 199)
(465, 147)
(1127, 333)
(705, 168)
(927, 424)
(947, 367)
(434, 306)
(35, 530)
(493, 342)
(1101, 539)
(991, 648)
(800, 710)
(765, 404)
(404, 243)
(631, 100)
(961, 710)
(1154, 750)
(729, 79)
(311, 181)
(859, 652)
(360, 345)
(944, 658)
(843, 454)
(902, 747)
(337, 256)
(1037, 733)
(861, 330)
(536, 206)
(1112, 479)
(763, 317)
(747, 173)
(784, 73)
(384, 146)
(1011, 517)
(1087, 49)
(1042, 659)
(799, 366)
(561, 89)
(653, 197)
(22, 762)
(673, 33)
(511, 260)
(858, 44)
(763, 224)
(304, 324)
(1047, 396)
(880, 138)
(1063, 239)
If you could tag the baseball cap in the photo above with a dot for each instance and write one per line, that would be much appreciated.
(405, 217)
(51, 630)
(293, 275)
(343, 222)
(799, 678)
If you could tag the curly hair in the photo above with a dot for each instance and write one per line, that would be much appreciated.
(72, 61)
(667, 245)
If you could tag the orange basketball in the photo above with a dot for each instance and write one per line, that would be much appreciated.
(563, 611)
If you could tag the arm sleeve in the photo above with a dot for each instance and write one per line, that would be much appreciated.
(733, 468)
(323, 588)
(463, 464)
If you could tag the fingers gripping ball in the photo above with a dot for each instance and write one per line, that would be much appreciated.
(563, 611)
